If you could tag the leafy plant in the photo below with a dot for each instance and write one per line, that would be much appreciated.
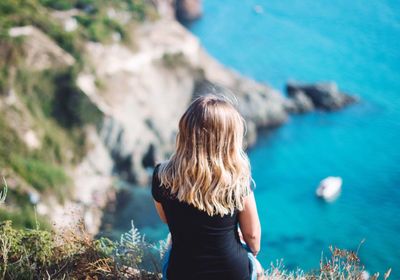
(132, 250)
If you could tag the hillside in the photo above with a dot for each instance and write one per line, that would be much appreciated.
(87, 91)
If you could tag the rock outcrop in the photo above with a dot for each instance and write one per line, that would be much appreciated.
(145, 92)
(188, 10)
(324, 96)
(261, 105)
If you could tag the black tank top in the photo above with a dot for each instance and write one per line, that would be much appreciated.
(203, 246)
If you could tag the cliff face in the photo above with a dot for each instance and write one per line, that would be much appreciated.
(134, 95)
(144, 92)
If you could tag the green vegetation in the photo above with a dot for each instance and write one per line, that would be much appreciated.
(10, 143)
(31, 12)
(60, 111)
(49, 102)
(41, 254)
(174, 60)
(342, 264)
(96, 24)
(56, 108)
(54, 94)
(24, 218)
(40, 175)
(56, 113)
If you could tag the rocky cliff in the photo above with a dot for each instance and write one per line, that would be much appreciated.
(144, 93)
(137, 93)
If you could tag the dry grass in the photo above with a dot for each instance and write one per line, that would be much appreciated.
(72, 254)
(342, 265)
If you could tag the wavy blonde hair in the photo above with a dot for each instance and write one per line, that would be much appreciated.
(209, 168)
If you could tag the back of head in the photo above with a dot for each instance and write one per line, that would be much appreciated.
(209, 168)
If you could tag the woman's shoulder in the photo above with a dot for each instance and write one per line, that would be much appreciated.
(155, 184)
(156, 172)
(158, 191)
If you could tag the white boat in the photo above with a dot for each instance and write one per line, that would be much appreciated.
(258, 9)
(329, 188)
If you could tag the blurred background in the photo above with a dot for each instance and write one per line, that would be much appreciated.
(91, 93)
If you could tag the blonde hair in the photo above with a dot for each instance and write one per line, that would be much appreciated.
(209, 168)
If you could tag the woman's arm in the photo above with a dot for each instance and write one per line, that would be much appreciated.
(249, 224)
(160, 211)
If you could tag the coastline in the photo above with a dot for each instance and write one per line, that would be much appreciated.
(132, 89)
(139, 128)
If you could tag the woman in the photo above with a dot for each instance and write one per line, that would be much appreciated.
(203, 192)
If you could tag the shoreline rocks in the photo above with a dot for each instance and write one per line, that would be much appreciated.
(323, 95)
(188, 10)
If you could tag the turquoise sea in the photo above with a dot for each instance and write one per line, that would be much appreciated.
(357, 44)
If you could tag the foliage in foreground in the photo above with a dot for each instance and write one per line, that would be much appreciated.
(40, 254)
(342, 265)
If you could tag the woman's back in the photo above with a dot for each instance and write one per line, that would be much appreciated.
(203, 246)
(204, 191)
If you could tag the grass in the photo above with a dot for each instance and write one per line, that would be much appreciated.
(95, 24)
(59, 110)
(24, 218)
(341, 265)
(31, 12)
(40, 175)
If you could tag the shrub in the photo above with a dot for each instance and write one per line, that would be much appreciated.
(342, 264)
(174, 60)
(72, 254)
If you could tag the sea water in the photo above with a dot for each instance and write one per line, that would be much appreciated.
(357, 44)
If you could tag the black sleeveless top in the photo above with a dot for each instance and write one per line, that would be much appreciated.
(203, 246)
